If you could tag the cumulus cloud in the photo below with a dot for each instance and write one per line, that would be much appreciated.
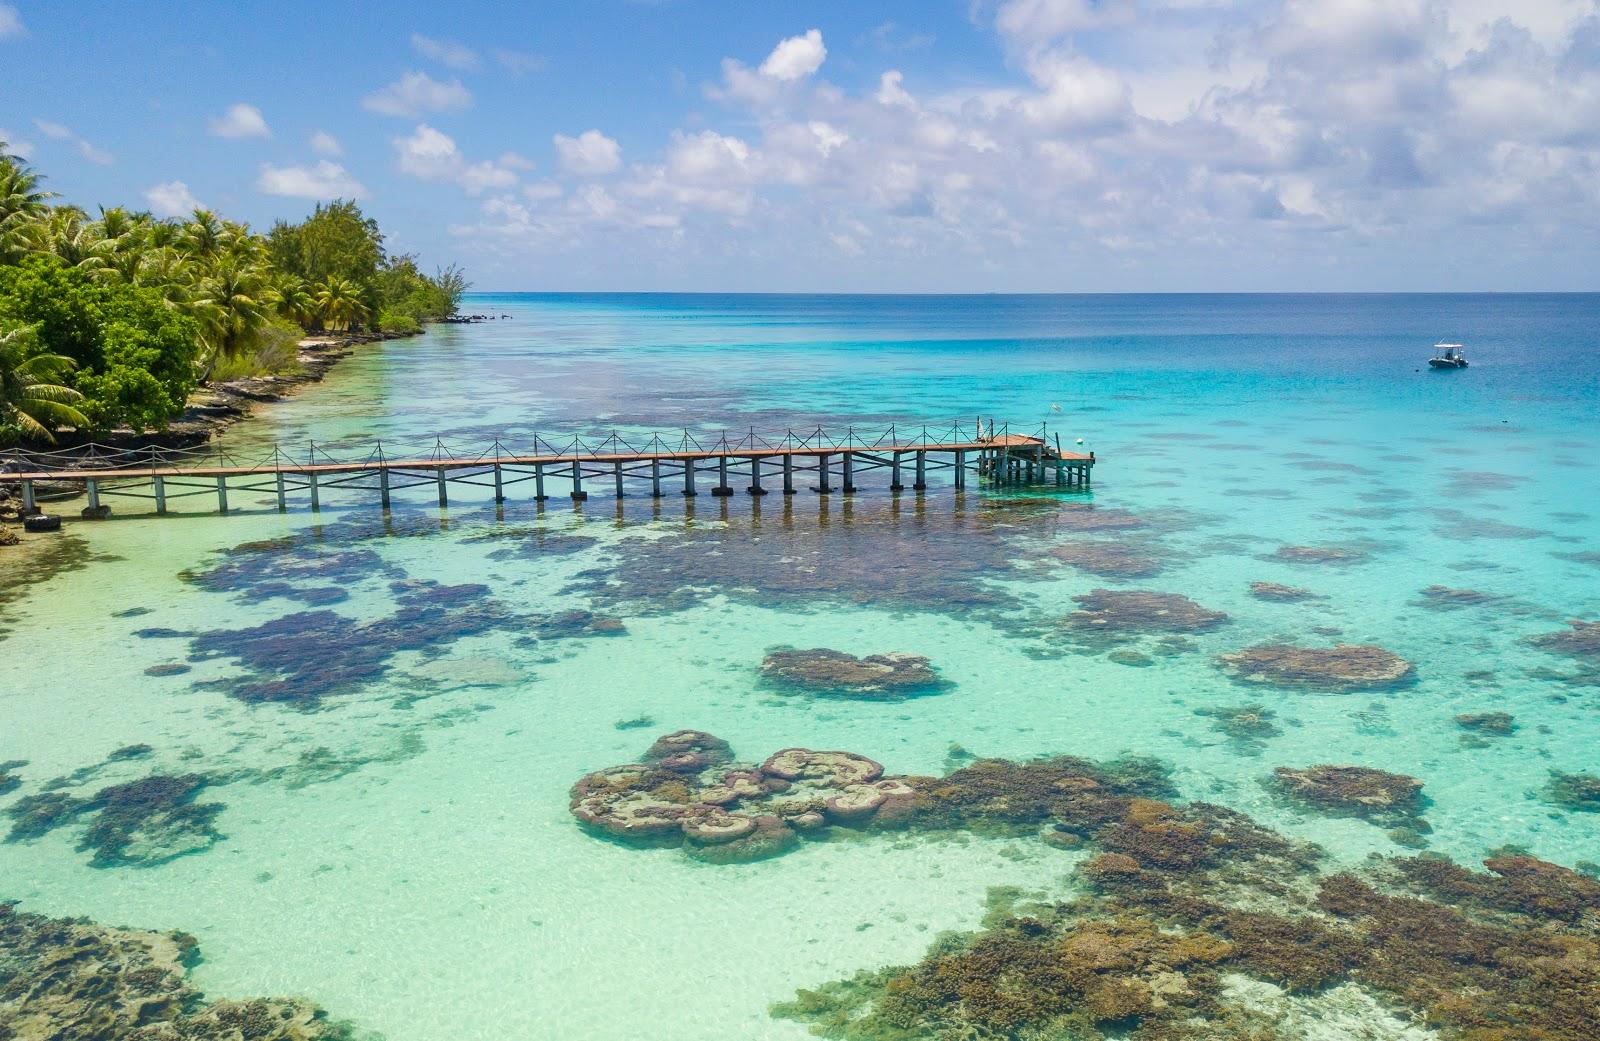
(172, 199)
(796, 57)
(589, 154)
(10, 22)
(433, 155)
(416, 94)
(445, 52)
(240, 121)
(324, 143)
(57, 132)
(1301, 136)
(323, 181)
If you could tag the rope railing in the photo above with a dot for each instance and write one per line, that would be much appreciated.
(576, 445)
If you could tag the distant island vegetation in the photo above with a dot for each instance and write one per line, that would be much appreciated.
(110, 322)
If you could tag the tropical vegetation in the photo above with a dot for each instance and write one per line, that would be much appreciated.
(111, 320)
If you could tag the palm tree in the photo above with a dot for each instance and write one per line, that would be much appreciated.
(294, 300)
(29, 400)
(230, 300)
(339, 304)
(69, 234)
(21, 204)
(203, 235)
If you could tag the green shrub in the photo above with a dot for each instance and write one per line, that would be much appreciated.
(398, 322)
(274, 350)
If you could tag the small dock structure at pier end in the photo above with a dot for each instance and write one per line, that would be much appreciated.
(820, 461)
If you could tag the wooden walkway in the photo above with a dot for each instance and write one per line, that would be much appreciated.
(833, 464)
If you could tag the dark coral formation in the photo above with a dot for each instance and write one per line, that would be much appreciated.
(138, 823)
(1354, 791)
(854, 552)
(829, 673)
(1498, 724)
(1335, 555)
(1445, 598)
(1281, 594)
(1108, 559)
(1124, 613)
(1150, 951)
(687, 791)
(73, 979)
(575, 622)
(1578, 791)
(1247, 727)
(10, 782)
(289, 569)
(1338, 669)
(310, 655)
(1581, 641)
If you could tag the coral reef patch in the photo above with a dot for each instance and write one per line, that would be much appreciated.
(1273, 592)
(1123, 614)
(687, 791)
(1354, 791)
(829, 673)
(74, 980)
(1338, 669)
(1107, 559)
(1327, 555)
(1499, 724)
(138, 823)
(1247, 727)
(1579, 791)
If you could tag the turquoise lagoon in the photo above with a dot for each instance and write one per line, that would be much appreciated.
(401, 851)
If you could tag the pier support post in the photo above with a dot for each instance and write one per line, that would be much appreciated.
(722, 487)
(788, 475)
(961, 469)
(161, 493)
(92, 487)
(311, 479)
(29, 505)
(538, 483)
(894, 472)
(655, 478)
(222, 494)
(499, 485)
(921, 483)
(578, 494)
(444, 494)
(383, 486)
(822, 475)
(849, 472)
(688, 477)
(755, 477)
(283, 500)
(617, 475)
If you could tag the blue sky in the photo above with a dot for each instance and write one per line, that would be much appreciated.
(942, 145)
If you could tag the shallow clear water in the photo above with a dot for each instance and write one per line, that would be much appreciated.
(421, 874)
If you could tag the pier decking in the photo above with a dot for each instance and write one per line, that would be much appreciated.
(683, 466)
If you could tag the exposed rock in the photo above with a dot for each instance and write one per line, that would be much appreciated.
(1356, 791)
(878, 677)
(74, 980)
(1344, 667)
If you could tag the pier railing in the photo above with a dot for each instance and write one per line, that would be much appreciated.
(985, 447)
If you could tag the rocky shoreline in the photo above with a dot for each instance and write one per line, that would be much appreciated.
(213, 407)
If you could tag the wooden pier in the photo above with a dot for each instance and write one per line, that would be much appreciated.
(825, 463)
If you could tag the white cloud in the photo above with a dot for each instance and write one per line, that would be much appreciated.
(57, 132)
(240, 121)
(417, 93)
(1035, 22)
(796, 57)
(519, 63)
(590, 153)
(445, 52)
(172, 199)
(324, 181)
(324, 143)
(15, 145)
(432, 155)
(10, 22)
